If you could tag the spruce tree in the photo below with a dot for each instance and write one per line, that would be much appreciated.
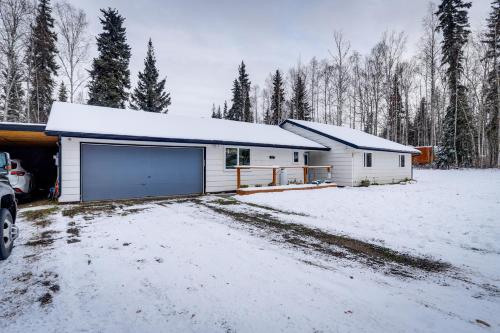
(241, 108)
(299, 104)
(110, 75)
(150, 95)
(277, 99)
(246, 112)
(224, 113)
(457, 140)
(235, 112)
(63, 93)
(214, 112)
(492, 100)
(42, 57)
(395, 112)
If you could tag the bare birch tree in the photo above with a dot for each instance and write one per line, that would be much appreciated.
(74, 42)
(14, 24)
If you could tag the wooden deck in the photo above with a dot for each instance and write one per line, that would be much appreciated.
(268, 189)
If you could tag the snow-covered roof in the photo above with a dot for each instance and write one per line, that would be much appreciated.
(79, 120)
(353, 138)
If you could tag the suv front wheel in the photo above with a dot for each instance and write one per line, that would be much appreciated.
(8, 233)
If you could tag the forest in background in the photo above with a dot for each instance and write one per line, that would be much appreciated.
(445, 94)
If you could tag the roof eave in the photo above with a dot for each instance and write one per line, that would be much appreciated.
(347, 143)
(176, 140)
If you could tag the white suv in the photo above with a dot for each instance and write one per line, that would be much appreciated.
(20, 179)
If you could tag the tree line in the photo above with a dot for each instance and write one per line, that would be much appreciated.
(44, 56)
(444, 95)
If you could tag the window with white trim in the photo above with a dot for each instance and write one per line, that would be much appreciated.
(237, 156)
(367, 160)
(401, 161)
(295, 157)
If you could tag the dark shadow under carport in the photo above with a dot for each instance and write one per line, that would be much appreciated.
(36, 150)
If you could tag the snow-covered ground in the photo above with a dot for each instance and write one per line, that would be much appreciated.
(213, 264)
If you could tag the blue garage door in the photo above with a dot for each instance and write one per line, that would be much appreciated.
(124, 172)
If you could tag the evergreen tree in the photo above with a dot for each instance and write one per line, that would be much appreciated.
(12, 99)
(235, 112)
(457, 140)
(214, 112)
(241, 108)
(219, 113)
(63, 93)
(277, 99)
(492, 40)
(245, 84)
(396, 113)
(110, 75)
(150, 95)
(42, 57)
(224, 113)
(299, 104)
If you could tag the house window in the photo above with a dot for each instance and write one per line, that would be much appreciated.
(237, 156)
(402, 161)
(367, 160)
(295, 157)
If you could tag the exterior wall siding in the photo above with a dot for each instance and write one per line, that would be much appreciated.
(340, 157)
(385, 168)
(218, 178)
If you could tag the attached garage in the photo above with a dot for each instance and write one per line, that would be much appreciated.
(132, 171)
(109, 154)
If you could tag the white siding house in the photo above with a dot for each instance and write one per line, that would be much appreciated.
(79, 126)
(355, 155)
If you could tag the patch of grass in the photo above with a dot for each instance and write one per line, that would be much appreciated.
(39, 215)
(88, 209)
(73, 240)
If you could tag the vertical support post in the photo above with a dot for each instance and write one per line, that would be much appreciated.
(305, 175)
(274, 176)
(329, 171)
(238, 178)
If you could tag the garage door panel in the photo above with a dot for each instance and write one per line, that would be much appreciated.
(121, 172)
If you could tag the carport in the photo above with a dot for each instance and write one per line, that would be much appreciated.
(35, 149)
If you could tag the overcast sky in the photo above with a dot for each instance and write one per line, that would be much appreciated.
(199, 44)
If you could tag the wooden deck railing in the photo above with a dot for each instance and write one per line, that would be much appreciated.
(305, 168)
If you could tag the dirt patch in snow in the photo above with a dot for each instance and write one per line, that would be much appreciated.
(225, 201)
(330, 244)
(45, 239)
